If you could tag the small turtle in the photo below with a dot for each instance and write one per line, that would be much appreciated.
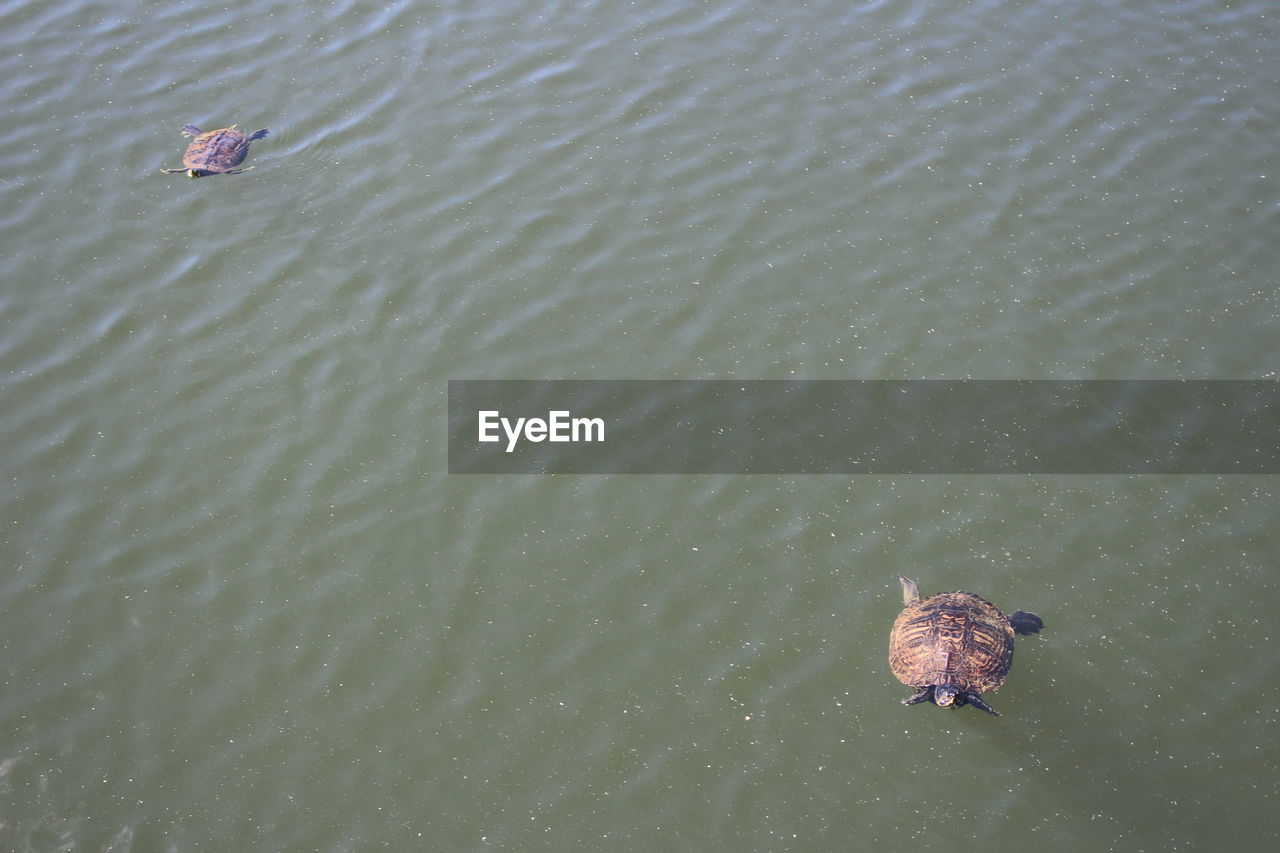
(954, 646)
(215, 152)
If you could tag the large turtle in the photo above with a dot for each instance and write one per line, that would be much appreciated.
(954, 646)
(215, 152)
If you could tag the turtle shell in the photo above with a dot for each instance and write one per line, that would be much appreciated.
(952, 638)
(216, 151)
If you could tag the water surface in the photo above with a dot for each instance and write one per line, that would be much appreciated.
(243, 606)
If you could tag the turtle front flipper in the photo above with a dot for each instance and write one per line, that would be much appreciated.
(910, 592)
(191, 130)
(171, 171)
(258, 134)
(976, 701)
(924, 694)
(1026, 623)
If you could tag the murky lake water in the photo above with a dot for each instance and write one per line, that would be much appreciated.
(244, 607)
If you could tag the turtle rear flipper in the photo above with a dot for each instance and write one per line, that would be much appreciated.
(910, 592)
(1026, 623)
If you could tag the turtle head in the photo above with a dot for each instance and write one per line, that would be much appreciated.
(195, 173)
(945, 695)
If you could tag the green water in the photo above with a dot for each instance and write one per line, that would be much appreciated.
(244, 607)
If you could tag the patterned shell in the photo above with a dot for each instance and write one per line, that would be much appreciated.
(217, 150)
(952, 638)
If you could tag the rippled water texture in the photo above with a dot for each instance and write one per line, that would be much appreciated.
(243, 606)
